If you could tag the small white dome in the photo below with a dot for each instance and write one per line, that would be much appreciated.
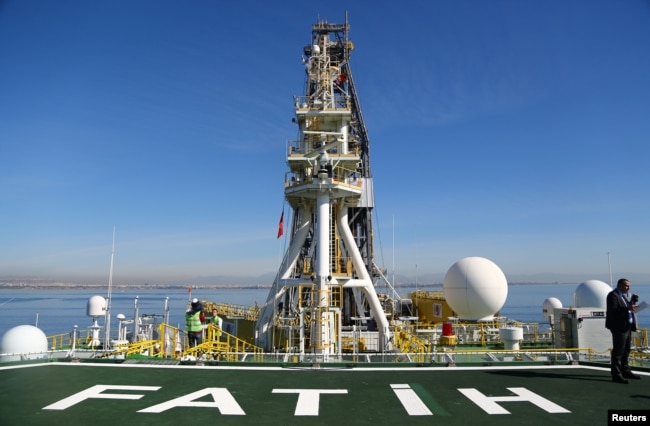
(26, 340)
(591, 294)
(96, 307)
(549, 306)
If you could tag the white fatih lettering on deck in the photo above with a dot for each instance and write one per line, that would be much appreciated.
(410, 401)
(309, 399)
(222, 399)
(490, 406)
(96, 392)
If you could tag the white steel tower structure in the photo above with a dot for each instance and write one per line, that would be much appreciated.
(324, 292)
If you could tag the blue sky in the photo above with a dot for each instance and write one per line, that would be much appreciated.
(513, 130)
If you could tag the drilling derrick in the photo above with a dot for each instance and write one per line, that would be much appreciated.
(324, 292)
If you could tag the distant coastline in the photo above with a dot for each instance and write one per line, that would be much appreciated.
(38, 284)
(57, 285)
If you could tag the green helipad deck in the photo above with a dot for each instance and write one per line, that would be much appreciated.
(103, 394)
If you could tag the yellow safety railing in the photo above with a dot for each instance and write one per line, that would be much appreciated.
(220, 345)
(64, 340)
(172, 343)
(250, 313)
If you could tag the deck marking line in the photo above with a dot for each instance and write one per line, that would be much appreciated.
(222, 400)
(96, 392)
(410, 400)
(309, 399)
(429, 400)
(490, 406)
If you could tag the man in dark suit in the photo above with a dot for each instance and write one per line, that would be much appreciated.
(621, 322)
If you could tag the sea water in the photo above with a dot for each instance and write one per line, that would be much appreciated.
(58, 311)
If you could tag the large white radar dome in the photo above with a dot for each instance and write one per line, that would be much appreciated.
(475, 288)
(591, 294)
(24, 342)
(549, 306)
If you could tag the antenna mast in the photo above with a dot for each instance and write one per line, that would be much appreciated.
(107, 318)
(609, 264)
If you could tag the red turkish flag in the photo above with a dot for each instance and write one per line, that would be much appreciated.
(281, 225)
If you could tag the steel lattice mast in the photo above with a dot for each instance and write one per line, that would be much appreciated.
(325, 284)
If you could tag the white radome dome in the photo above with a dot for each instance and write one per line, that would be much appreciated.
(591, 294)
(550, 305)
(96, 307)
(475, 288)
(26, 340)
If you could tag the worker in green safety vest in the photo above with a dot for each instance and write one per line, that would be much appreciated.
(193, 323)
(217, 321)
